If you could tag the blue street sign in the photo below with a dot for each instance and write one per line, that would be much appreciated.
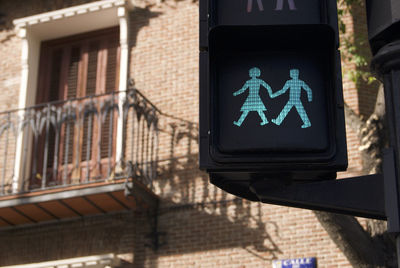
(296, 263)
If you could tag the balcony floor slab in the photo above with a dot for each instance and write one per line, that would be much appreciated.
(75, 201)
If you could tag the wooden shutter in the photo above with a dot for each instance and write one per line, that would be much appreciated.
(82, 65)
(53, 95)
(112, 73)
(111, 84)
(76, 67)
(92, 77)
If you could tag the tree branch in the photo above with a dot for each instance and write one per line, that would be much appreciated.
(353, 120)
(372, 247)
(355, 243)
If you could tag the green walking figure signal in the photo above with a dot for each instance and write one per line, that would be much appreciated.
(253, 101)
(295, 85)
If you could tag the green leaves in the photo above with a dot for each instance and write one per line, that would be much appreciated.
(354, 43)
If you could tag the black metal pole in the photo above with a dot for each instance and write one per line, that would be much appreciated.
(398, 250)
(386, 64)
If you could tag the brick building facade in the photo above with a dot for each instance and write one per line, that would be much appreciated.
(194, 223)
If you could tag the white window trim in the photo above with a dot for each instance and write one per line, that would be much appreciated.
(55, 24)
(99, 261)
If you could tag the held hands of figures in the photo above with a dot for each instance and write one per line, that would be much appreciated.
(274, 95)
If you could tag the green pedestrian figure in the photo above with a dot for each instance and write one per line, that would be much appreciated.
(295, 85)
(253, 101)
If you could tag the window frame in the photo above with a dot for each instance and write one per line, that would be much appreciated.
(33, 30)
(77, 167)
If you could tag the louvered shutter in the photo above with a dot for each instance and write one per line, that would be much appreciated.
(71, 91)
(91, 89)
(54, 90)
(48, 91)
(112, 63)
(81, 66)
(108, 134)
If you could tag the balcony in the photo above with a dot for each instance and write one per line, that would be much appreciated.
(78, 157)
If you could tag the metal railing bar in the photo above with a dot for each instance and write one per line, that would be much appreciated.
(143, 140)
(100, 125)
(34, 162)
(56, 145)
(3, 179)
(146, 151)
(110, 137)
(66, 152)
(133, 135)
(136, 160)
(152, 150)
(88, 146)
(60, 186)
(78, 123)
(46, 148)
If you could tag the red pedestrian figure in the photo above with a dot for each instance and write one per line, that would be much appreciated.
(279, 5)
(250, 5)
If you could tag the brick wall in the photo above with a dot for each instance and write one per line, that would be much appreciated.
(204, 226)
(96, 235)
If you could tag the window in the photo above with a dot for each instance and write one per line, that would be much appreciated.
(75, 20)
(97, 261)
(77, 75)
(79, 66)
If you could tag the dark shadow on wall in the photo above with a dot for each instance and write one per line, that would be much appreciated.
(195, 216)
(204, 219)
(23, 8)
(209, 228)
(11, 10)
(139, 17)
(177, 171)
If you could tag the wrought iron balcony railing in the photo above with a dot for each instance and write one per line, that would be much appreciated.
(85, 140)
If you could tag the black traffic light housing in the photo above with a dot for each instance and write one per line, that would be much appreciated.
(235, 37)
(383, 17)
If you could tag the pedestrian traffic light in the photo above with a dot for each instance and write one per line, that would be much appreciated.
(271, 103)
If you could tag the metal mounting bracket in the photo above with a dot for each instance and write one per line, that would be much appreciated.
(359, 196)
